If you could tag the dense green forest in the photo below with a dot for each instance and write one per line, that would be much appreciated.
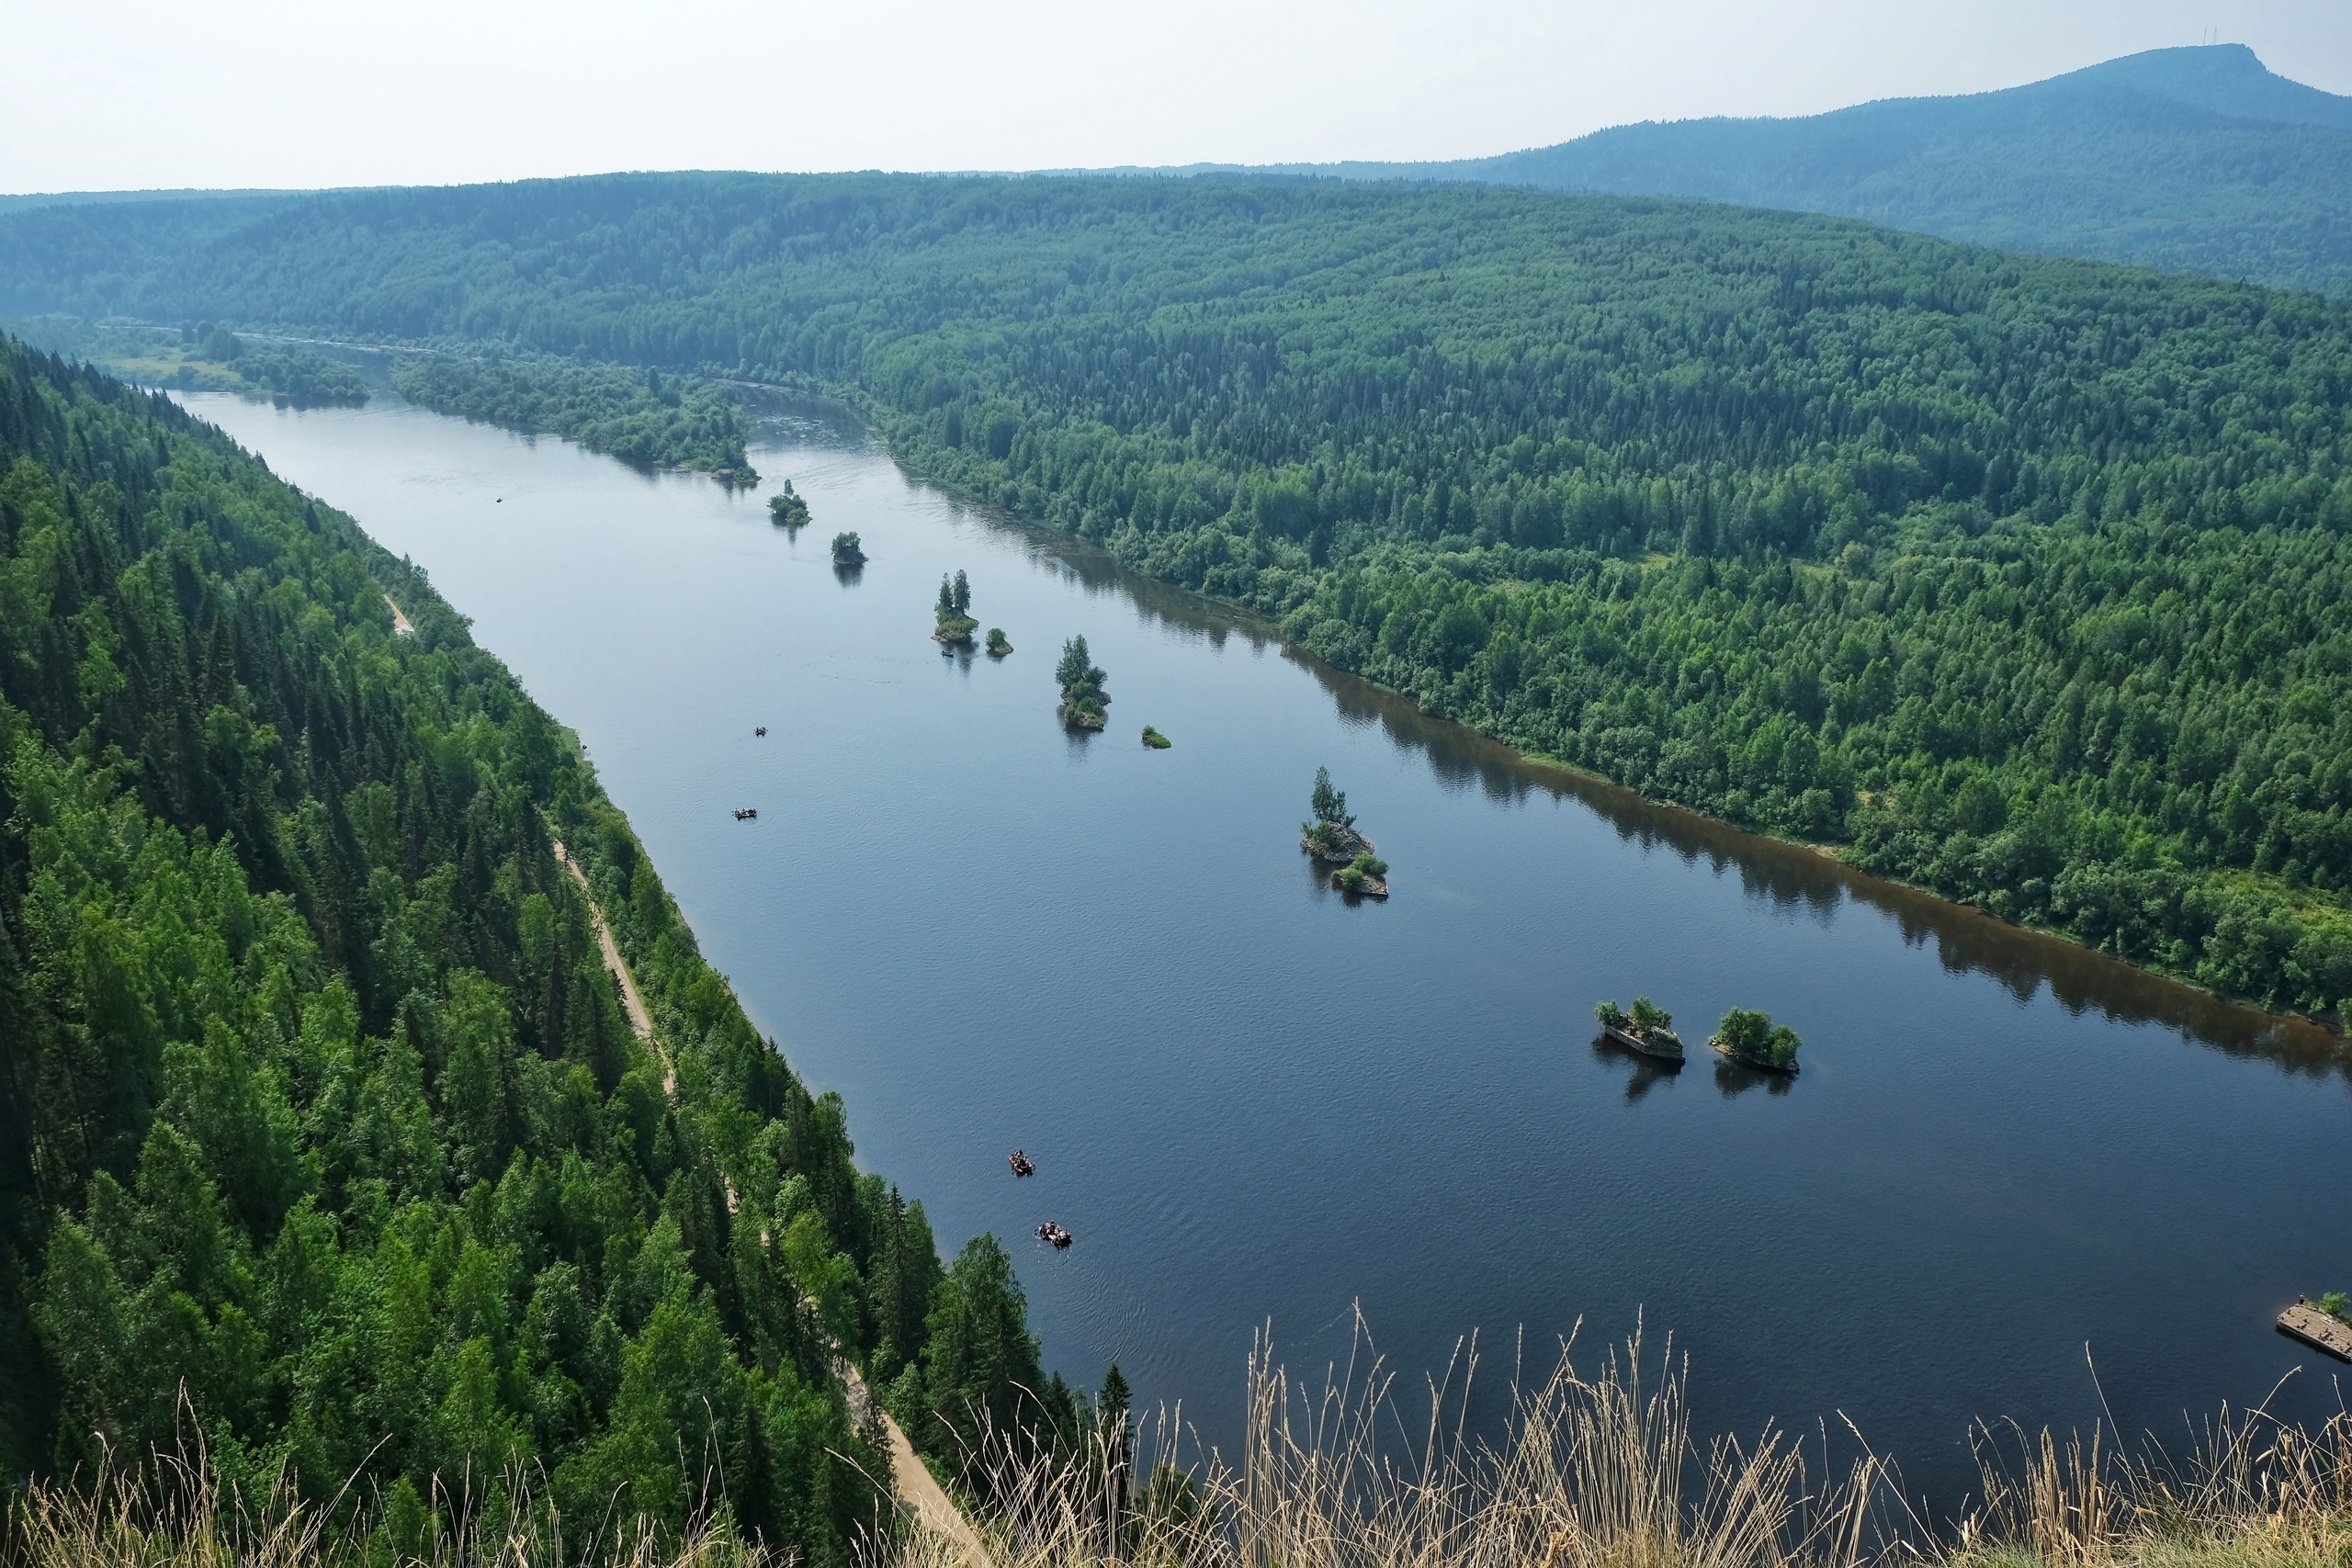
(671, 421)
(323, 1139)
(202, 358)
(2198, 159)
(2024, 578)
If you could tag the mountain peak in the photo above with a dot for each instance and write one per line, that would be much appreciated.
(2223, 78)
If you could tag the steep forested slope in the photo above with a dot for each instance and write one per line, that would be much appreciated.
(323, 1139)
(2026, 577)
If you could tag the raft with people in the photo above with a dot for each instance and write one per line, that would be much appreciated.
(1020, 1163)
(747, 814)
(1053, 1233)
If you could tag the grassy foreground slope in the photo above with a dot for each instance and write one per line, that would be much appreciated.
(2026, 578)
(323, 1141)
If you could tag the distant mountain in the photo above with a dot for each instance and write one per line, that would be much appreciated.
(2193, 159)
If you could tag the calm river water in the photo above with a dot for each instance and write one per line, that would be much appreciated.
(1257, 1104)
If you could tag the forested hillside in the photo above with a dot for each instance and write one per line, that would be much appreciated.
(2026, 578)
(323, 1140)
(2198, 159)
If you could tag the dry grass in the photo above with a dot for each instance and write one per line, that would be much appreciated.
(1587, 1472)
(178, 1514)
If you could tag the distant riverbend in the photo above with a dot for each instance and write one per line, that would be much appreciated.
(1253, 1104)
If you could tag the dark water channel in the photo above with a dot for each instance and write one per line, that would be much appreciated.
(1252, 1101)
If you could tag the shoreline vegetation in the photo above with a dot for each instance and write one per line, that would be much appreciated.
(202, 358)
(2021, 622)
(677, 421)
(1083, 697)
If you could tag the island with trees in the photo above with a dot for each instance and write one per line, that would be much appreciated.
(674, 420)
(1157, 741)
(788, 509)
(1648, 1028)
(1330, 836)
(847, 550)
(1752, 1038)
(1081, 683)
(996, 645)
(955, 625)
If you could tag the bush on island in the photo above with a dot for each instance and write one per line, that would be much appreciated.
(1753, 1037)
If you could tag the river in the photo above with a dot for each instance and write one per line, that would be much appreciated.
(2006, 1162)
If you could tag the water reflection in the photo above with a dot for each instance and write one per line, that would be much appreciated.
(1648, 1072)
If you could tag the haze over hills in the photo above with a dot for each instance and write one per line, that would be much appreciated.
(2191, 159)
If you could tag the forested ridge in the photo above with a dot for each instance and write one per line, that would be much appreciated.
(323, 1140)
(2023, 578)
(2197, 159)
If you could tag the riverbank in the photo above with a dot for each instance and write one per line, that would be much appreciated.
(664, 618)
(879, 421)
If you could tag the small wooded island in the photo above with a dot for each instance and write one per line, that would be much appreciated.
(997, 647)
(1648, 1028)
(1752, 1038)
(846, 551)
(1331, 837)
(787, 510)
(1083, 693)
(2324, 1325)
(1157, 741)
(956, 626)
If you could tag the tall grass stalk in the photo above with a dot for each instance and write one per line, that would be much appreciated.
(1583, 1471)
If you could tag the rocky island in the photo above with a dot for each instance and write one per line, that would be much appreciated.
(1083, 693)
(846, 551)
(1752, 1038)
(787, 510)
(956, 626)
(1648, 1028)
(997, 647)
(1332, 839)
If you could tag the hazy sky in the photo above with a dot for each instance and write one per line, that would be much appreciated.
(129, 93)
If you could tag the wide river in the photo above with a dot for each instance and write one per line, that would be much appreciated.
(2011, 1176)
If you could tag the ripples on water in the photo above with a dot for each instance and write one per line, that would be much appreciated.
(1256, 1102)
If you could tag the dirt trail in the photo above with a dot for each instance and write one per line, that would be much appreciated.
(916, 1486)
(402, 626)
(912, 1479)
(641, 1020)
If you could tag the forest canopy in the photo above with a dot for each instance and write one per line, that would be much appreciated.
(642, 416)
(2022, 579)
(324, 1137)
